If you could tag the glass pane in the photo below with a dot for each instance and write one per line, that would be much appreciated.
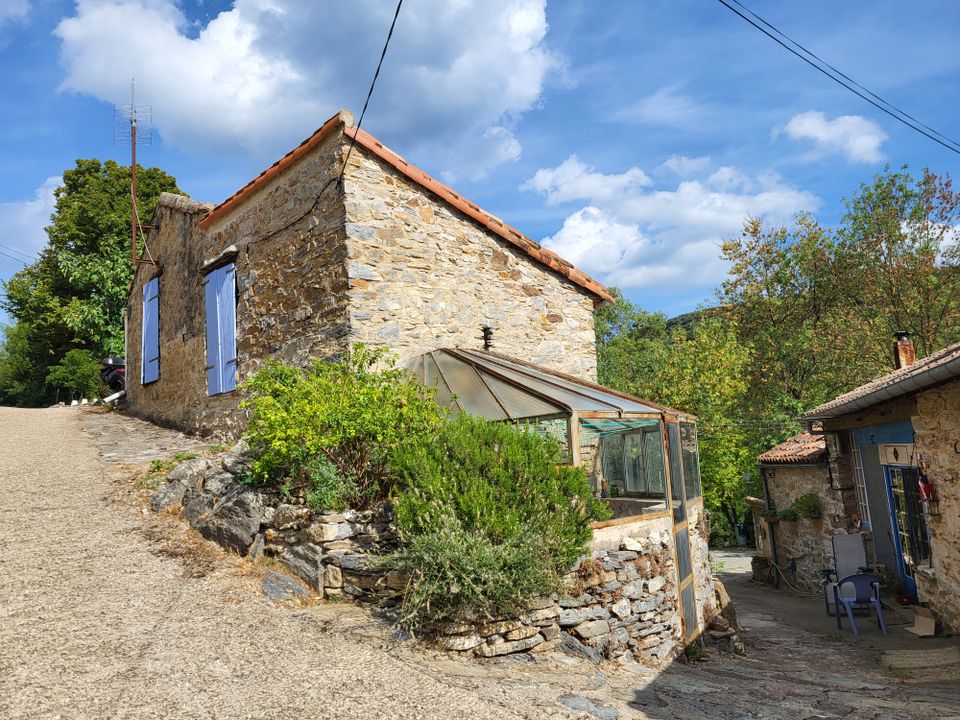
(688, 601)
(633, 462)
(612, 450)
(684, 568)
(691, 460)
(653, 460)
(676, 473)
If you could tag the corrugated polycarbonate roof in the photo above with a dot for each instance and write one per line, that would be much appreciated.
(496, 387)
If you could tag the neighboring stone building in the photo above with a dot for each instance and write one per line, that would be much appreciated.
(897, 445)
(798, 468)
(299, 264)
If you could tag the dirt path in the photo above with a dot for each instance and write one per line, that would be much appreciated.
(110, 611)
(94, 622)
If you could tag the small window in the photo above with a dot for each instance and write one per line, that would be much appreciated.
(150, 330)
(221, 311)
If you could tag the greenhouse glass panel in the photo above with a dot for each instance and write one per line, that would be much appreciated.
(676, 473)
(612, 452)
(691, 460)
(653, 461)
(633, 463)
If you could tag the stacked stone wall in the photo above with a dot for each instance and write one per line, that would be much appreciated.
(618, 603)
(804, 545)
(937, 434)
(424, 276)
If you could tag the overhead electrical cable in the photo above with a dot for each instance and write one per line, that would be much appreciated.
(843, 80)
(13, 257)
(373, 84)
(29, 256)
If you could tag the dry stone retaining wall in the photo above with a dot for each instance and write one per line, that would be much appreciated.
(617, 603)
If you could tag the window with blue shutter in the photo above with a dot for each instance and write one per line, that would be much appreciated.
(221, 312)
(150, 345)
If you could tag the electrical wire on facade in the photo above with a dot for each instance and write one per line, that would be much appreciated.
(840, 78)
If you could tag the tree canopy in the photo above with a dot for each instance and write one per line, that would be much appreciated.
(74, 296)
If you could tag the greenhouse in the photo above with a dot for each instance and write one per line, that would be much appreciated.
(640, 455)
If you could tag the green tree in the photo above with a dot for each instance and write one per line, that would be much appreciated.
(74, 296)
(78, 373)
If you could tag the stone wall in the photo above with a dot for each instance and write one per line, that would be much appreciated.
(423, 276)
(617, 603)
(291, 290)
(937, 432)
(804, 545)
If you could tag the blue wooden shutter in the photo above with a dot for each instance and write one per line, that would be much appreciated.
(227, 309)
(150, 347)
(221, 312)
(211, 285)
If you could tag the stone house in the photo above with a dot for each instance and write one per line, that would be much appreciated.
(343, 241)
(893, 465)
(802, 466)
(302, 262)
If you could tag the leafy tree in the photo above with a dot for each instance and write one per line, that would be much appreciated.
(78, 373)
(74, 296)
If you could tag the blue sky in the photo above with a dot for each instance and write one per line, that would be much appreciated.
(631, 137)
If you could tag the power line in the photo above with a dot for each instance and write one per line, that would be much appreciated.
(29, 256)
(366, 102)
(844, 80)
(14, 257)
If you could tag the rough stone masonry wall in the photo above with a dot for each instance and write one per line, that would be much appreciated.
(291, 292)
(617, 603)
(937, 432)
(805, 542)
(423, 276)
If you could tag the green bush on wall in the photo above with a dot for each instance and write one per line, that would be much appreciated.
(807, 505)
(488, 517)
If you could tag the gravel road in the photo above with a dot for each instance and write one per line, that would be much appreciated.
(103, 615)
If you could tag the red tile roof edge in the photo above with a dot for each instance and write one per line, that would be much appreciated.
(418, 176)
(802, 448)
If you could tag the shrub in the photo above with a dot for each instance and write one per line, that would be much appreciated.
(488, 517)
(788, 514)
(353, 413)
(78, 372)
(807, 505)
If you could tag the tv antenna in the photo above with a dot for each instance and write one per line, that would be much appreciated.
(134, 124)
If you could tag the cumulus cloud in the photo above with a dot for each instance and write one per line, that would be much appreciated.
(636, 236)
(573, 180)
(263, 74)
(856, 137)
(23, 222)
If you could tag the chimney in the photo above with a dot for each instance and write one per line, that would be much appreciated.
(903, 352)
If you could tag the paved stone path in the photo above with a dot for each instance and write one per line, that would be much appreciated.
(109, 611)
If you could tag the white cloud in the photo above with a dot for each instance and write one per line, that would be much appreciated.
(666, 106)
(13, 10)
(573, 180)
(23, 223)
(637, 237)
(856, 137)
(683, 165)
(263, 74)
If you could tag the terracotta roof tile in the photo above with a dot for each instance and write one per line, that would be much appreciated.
(447, 194)
(802, 448)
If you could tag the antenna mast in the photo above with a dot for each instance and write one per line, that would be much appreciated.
(125, 127)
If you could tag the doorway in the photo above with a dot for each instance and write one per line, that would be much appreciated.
(910, 535)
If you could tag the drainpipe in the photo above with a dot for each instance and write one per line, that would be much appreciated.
(774, 560)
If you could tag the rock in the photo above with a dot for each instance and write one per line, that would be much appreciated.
(497, 627)
(306, 562)
(566, 601)
(256, 548)
(550, 632)
(237, 461)
(631, 544)
(279, 587)
(461, 642)
(218, 483)
(328, 532)
(290, 517)
(655, 584)
(332, 577)
(720, 624)
(503, 647)
(545, 615)
(621, 608)
(592, 628)
(233, 523)
(591, 707)
(575, 617)
(196, 509)
(354, 562)
(522, 633)
(571, 646)
(541, 603)
(643, 698)
(191, 472)
(168, 497)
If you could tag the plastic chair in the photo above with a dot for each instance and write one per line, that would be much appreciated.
(865, 592)
(849, 554)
